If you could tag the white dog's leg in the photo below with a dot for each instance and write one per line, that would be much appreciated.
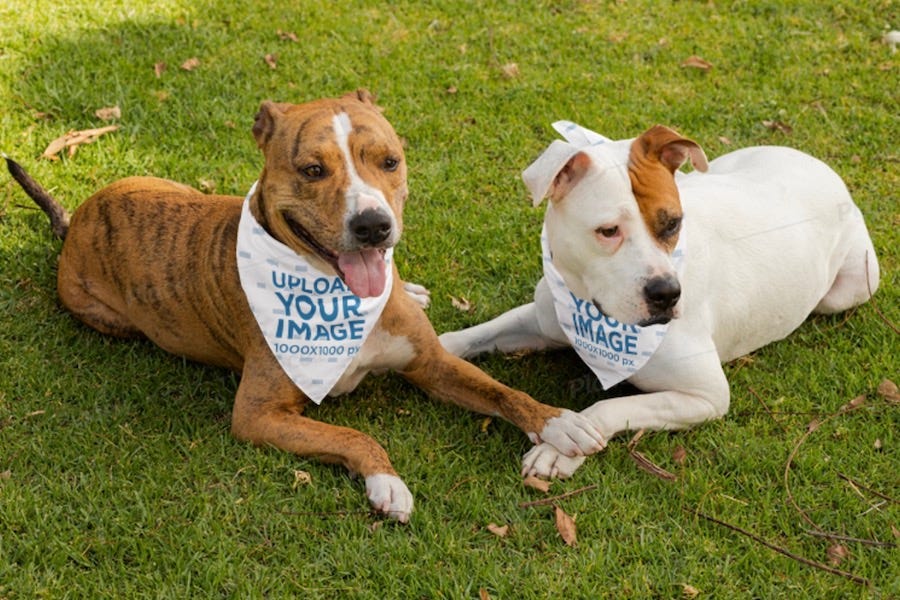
(528, 327)
(857, 278)
(707, 399)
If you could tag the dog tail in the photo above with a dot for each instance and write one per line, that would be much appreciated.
(59, 218)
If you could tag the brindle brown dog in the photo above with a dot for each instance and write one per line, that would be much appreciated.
(155, 258)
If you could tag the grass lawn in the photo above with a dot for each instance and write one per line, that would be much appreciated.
(118, 475)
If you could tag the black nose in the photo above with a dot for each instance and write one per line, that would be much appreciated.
(371, 226)
(662, 293)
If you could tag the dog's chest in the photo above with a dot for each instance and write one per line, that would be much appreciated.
(380, 352)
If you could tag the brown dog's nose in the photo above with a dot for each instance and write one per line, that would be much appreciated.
(370, 226)
(662, 293)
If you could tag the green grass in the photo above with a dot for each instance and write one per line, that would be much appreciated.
(120, 478)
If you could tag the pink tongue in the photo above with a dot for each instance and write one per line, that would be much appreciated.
(364, 272)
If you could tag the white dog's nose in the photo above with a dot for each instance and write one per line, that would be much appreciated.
(662, 293)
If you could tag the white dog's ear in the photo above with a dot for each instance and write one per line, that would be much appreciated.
(671, 149)
(555, 172)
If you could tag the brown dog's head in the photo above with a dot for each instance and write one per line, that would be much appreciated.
(333, 185)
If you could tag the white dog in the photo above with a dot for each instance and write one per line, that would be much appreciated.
(768, 235)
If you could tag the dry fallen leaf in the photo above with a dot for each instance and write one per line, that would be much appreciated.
(779, 126)
(695, 62)
(536, 483)
(207, 186)
(190, 64)
(689, 591)
(287, 36)
(498, 530)
(836, 554)
(565, 525)
(375, 526)
(485, 423)
(158, 69)
(5, 474)
(679, 454)
(73, 139)
(887, 389)
(462, 304)
(510, 70)
(301, 478)
(878, 445)
(110, 113)
(724, 140)
(271, 60)
(483, 595)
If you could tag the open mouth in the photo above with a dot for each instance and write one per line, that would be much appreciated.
(364, 271)
(307, 238)
(660, 319)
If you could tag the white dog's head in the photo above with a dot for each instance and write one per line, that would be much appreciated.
(614, 219)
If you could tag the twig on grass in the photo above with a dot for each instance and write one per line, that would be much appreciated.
(767, 409)
(863, 487)
(810, 428)
(645, 463)
(847, 538)
(782, 551)
(553, 499)
(872, 299)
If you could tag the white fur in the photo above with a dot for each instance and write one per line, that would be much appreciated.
(772, 235)
(388, 494)
(360, 195)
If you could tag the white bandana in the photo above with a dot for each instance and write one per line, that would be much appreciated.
(614, 351)
(313, 323)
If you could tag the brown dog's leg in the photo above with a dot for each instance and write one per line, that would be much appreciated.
(453, 379)
(267, 411)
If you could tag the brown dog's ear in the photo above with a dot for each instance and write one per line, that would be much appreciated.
(264, 125)
(671, 149)
(363, 95)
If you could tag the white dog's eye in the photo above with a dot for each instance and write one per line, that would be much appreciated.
(608, 232)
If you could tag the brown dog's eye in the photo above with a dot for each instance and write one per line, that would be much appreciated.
(313, 172)
(390, 164)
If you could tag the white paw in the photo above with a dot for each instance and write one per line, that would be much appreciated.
(572, 434)
(545, 461)
(417, 292)
(388, 494)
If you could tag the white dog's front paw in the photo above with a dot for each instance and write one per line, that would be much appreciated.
(545, 461)
(572, 434)
(388, 494)
(417, 292)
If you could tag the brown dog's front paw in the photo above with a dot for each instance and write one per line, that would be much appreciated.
(388, 494)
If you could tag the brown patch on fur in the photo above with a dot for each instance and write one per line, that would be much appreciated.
(653, 160)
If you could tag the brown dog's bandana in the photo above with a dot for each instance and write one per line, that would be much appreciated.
(313, 323)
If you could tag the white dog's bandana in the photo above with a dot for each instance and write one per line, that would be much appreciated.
(614, 351)
(313, 323)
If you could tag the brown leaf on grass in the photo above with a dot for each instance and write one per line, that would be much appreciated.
(159, 68)
(110, 113)
(837, 553)
(271, 60)
(689, 591)
(853, 404)
(498, 530)
(190, 64)
(301, 478)
(695, 62)
(539, 484)
(565, 525)
(287, 36)
(462, 304)
(510, 70)
(485, 423)
(779, 126)
(679, 454)
(724, 140)
(483, 595)
(887, 389)
(73, 139)
(5, 474)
